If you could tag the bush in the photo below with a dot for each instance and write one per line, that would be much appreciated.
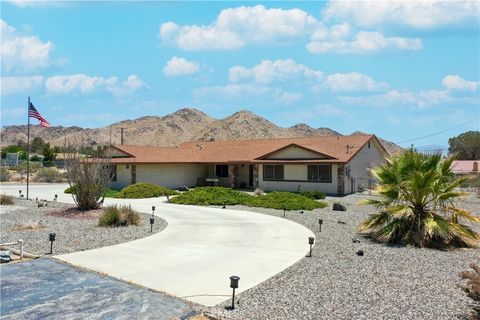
(115, 216)
(6, 200)
(4, 174)
(51, 175)
(472, 289)
(285, 200)
(109, 193)
(313, 194)
(144, 190)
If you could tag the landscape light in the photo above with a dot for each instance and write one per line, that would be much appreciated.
(320, 222)
(56, 197)
(224, 205)
(51, 238)
(311, 241)
(153, 210)
(19, 192)
(234, 285)
(152, 220)
(168, 198)
(284, 209)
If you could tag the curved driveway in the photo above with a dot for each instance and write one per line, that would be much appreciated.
(198, 251)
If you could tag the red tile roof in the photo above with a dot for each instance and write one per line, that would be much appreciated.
(246, 151)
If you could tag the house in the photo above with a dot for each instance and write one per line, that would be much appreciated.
(465, 166)
(332, 164)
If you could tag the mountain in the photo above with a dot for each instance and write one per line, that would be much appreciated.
(186, 124)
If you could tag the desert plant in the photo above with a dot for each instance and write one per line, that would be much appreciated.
(4, 174)
(317, 195)
(51, 175)
(211, 196)
(130, 215)
(144, 190)
(472, 289)
(119, 216)
(418, 204)
(284, 200)
(6, 200)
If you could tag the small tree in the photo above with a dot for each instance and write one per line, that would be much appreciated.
(88, 177)
(49, 155)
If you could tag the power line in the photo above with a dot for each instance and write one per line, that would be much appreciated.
(439, 132)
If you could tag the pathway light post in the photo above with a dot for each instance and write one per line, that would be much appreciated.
(234, 285)
(51, 238)
(320, 222)
(153, 211)
(152, 220)
(311, 241)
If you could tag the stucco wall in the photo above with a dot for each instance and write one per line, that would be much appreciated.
(167, 175)
(298, 172)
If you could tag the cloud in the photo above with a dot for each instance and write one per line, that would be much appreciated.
(63, 84)
(269, 71)
(454, 82)
(362, 42)
(236, 27)
(354, 81)
(180, 67)
(414, 14)
(23, 53)
(13, 112)
(12, 85)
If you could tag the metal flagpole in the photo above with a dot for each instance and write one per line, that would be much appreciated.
(28, 145)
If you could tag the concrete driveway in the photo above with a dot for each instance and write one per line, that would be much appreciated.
(196, 254)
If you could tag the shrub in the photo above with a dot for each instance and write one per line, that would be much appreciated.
(313, 194)
(211, 196)
(115, 216)
(70, 190)
(4, 174)
(284, 200)
(51, 175)
(472, 289)
(6, 200)
(144, 190)
(109, 193)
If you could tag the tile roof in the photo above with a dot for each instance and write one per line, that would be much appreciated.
(246, 151)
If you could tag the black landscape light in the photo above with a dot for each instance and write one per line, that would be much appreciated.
(224, 205)
(51, 238)
(19, 193)
(56, 197)
(168, 198)
(234, 285)
(311, 241)
(320, 222)
(152, 220)
(153, 210)
(284, 209)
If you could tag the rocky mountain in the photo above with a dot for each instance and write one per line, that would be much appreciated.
(183, 125)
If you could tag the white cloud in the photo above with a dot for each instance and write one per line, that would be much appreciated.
(180, 67)
(269, 71)
(362, 42)
(415, 14)
(12, 85)
(13, 112)
(83, 83)
(454, 82)
(354, 81)
(23, 53)
(236, 27)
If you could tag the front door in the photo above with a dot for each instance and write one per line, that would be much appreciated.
(250, 175)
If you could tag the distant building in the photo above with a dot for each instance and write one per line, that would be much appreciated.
(12, 159)
(465, 166)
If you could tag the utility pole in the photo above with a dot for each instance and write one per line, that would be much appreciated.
(122, 131)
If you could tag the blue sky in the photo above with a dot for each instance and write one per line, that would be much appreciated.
(400, 70)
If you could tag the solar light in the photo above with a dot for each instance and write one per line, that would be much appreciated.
(320, 222)
(224, 205)
(19, 193)
(153, 210)
(152, 220)
(284, 209)
(56, 197)
(234, 285)
(311, 241)
(168, 198)
(301, 211)
(51, 238)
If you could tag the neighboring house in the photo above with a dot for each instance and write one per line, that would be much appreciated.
(465, 166)
(12, 159)
(332, 164)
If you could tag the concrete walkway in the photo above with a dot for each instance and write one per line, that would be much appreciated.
(198, 251)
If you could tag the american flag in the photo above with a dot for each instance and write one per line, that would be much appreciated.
(33, 113)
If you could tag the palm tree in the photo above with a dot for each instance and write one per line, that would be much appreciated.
(417, 206)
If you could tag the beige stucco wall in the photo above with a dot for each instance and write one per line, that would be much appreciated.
(293, 152)
(359, 166)
(167, 175)
(298, 172)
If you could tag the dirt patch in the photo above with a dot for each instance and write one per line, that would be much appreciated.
(75, 214)
(31, 226)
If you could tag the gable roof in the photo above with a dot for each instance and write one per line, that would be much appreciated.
(247, 151)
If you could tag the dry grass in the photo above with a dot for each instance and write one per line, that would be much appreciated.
(76, 214)
(29, 226)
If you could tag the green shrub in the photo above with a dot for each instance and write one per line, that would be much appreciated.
(6, 200)
(144, 190)
(285, 200)
(51, 175)
(70, 190)
(313, 194)
(132, 217)
(4, 174)
(109, 193)
(211, 196)
(115, 216)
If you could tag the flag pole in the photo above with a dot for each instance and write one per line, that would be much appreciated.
(28, 145)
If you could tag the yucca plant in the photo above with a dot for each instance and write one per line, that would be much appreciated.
(418, 204)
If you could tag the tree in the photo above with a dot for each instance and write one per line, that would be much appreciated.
(49, 155)
(37, 144)
(465, 146)
(418, 204)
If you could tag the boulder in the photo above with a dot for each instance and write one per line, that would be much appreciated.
(339, 207)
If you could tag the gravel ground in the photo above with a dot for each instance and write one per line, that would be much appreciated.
(388, 282)
(72, 234)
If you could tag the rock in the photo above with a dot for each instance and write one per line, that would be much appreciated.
(356, 240)
(183, 188)
(341, 222)
(339, 207)
(360, 253)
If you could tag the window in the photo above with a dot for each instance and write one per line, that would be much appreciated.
(273, 172)
(221, 170)
(320, 173)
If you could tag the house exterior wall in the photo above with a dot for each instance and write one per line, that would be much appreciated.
(295, 176)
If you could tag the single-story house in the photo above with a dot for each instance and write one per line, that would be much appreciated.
(465, 166)
(332, 164)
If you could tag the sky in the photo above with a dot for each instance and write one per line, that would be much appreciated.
(405, 71)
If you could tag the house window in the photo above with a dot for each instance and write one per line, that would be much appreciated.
(273, 172)
(113, 173)
(320, 173)
(221, 170)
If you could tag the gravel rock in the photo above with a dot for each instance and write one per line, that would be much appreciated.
(388, 282)
(25, 220)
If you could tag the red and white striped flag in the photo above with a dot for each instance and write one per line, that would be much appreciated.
(33, 113)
